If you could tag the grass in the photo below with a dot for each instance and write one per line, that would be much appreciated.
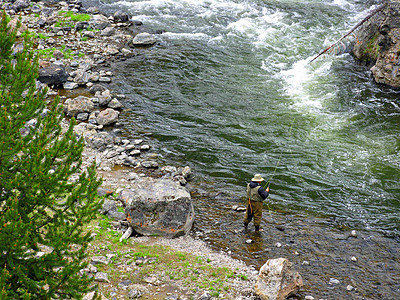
(68, 18)
(170, 267)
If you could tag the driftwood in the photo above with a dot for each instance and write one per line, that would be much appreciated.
(371, 14)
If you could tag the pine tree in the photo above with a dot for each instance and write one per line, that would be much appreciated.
(42, 211)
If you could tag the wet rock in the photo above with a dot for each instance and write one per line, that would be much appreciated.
(53, 75)
(158, 206)
(144, 39)
(80, 104)
(378, 41)
(277, 279)
(121, 16)
(107, 117)
(115, 104)
(349, 288)
(97, 87)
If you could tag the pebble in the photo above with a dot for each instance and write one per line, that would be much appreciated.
(333, 281)
(101, 277)
(249, 241)
(349, 288)
(278, 245)
(305, 263)
(353, 258)
(353, 233)
(308, 297)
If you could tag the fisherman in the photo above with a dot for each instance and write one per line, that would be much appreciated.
(256, 194)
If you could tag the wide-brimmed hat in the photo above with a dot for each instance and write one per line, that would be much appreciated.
(257, 177)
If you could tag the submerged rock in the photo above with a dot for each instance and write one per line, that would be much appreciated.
(158, 207)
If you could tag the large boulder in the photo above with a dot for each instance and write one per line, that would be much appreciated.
(277, 280)
(53, 74)
(377, 44)
(158, 207)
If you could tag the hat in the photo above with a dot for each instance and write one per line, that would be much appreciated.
(257, 177)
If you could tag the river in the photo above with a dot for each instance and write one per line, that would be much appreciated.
(229, 89)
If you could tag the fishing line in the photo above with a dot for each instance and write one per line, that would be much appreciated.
(279, 159)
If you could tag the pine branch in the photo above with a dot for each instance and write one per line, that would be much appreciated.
(370, 15)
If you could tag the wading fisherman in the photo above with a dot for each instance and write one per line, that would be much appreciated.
(256, 194)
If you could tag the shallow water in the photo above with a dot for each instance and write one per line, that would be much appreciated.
(229, 90)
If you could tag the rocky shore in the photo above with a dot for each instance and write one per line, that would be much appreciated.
(77, 45)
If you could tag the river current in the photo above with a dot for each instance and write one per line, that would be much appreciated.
(229, 90)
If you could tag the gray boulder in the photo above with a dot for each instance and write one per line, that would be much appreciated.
(99, 141)
(53, 75)
(80, 104)
(108, 31)
(107, 117)
(121, 17)
(156, 206)
(277, 280)
(99, 22)
(144, 39)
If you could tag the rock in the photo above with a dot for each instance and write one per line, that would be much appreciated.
(158, 206)
(70, 85)
(107, 117)
(82, 25)
(378, 41)
(108, 31)
(353, 258)
(203, 296)
(349, 288)
(353, 233)
(121, 16)
(58, 54)
(105, 79)
(99, 22)
(115, 104)
(99, 141)
(80, 104)
(333, 281)
(100, 260)
(101, 277)
(97, 87)
(308, 297)
(249, 241)
(82, 77)
(278, 245)
(150, 164)
(21, 4)
(82, 116)
(144, 39)
(88, 34)
(134, 294)
(277, 280)
(53, 75)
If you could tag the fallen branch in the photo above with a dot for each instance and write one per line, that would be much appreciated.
(374, 12)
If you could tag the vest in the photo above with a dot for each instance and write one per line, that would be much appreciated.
(253, 194)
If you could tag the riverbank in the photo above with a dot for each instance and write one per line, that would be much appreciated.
(140, 267)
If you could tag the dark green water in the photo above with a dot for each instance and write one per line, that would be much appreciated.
(229, 90)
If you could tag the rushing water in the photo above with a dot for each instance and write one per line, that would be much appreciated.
(230, 90)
